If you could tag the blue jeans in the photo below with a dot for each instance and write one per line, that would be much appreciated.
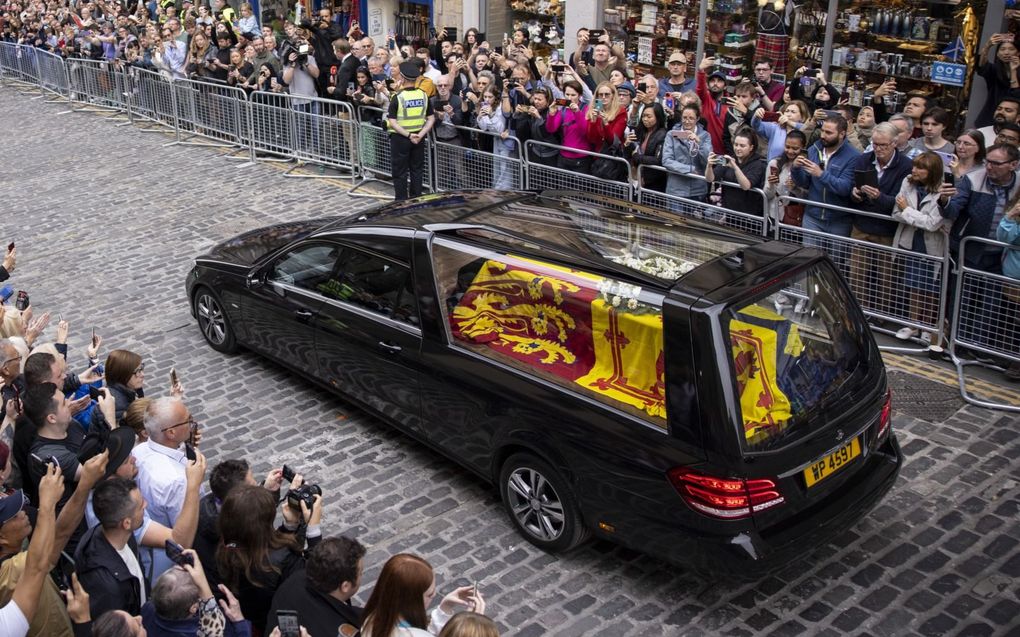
(839, 226)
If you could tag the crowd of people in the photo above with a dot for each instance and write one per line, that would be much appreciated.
(111, 526)
(794, 152)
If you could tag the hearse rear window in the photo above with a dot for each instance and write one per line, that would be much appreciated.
(585, 332)
(798, 356)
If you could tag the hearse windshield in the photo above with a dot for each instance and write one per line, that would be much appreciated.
(653, 247)
(797, 358)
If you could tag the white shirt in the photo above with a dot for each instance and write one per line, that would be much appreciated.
(12, 621)
(161, 480)
(133, 567)
(432, 73)
(989, 134)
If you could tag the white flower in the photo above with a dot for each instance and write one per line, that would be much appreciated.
(616, 301)
(632, 304)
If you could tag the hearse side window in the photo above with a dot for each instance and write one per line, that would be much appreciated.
(376, 284)
(308, 266)
(593, 335)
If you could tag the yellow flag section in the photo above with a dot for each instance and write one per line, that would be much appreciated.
(762, 342)
(629, 364)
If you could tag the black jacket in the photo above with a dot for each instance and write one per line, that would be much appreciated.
(123, 397)
(207, 537)
(652, 156)
(256, 595)
(105, 576)
(319, 613)
(889, 185)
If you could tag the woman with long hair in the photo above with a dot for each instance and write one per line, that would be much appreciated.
(644, 147)
(745, 167)
(970, 153)
(529, 124)
(199, 54)
(924, 230)
(491, 120)
(605, 119)
(779, 182)
(793, 117)
(254, 557)
(468, 624)
(400, 599)
(572, 121)
(1000, 73)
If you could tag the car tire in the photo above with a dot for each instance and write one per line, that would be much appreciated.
(213, 322)
(540, 504)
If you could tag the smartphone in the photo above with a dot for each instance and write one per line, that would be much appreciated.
(774, 171)
(189, 451)
(770, 116)
(811, 73)
(948, 179)
(668, 102)
(681, 134)
(175, 552)
(63, 571)
(451, 34)
(287, 620)
(96, 392)
(288, 474)
(561, 102)
(41, 466)
(829, 113)
(598, 104)
(22, 302)
(559, 68)
(595, 34)
(432, 33)
(173, 377)
(95, 339)
(10, 246)
(499, 50)
(6, 292)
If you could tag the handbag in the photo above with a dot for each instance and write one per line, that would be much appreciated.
(793, 214)
(611, 169)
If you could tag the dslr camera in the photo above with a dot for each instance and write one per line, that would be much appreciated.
(305, 493)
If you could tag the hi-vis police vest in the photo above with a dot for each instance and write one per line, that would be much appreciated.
(412, 104)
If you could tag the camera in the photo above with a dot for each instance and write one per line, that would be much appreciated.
(305, 493)
(302, 52)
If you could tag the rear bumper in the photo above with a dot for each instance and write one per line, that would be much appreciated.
(752, 554)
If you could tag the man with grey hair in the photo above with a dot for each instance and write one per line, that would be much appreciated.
(904, 127)
(871, 272)
(161, 461)
(182, 603)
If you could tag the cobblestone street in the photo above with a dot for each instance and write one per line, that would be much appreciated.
(107, 222)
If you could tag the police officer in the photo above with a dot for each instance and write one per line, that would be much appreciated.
(410, 119)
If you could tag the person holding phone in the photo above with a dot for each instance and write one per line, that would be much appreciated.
(644, 147)
(685, 155)
(398, 606)
(922, 229)
(571, 122)
(491, 120)
(9, 261)
(746, 168)
(1000, 71)
(606, 120)
(793, 117)
(779, 182)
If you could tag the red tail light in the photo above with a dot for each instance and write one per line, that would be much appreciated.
(726, 498)
(885, 420)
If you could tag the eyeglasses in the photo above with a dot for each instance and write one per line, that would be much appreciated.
(684, 63)
(603, 94)
(139, 370)
(16, 358)
(997, 163)
(876, 145)
(191, 422)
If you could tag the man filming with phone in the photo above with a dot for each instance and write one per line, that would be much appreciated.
(10, 259)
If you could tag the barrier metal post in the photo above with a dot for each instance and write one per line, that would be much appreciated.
(743, 221)
(97, 86)
(464, 165)
(271, 129)
(212, 111)
(151, 99)
(53, 76)
(986, 317)
(325, 132)
(542, 177)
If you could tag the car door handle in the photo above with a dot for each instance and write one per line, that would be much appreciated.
(303, 315)
(392, 348)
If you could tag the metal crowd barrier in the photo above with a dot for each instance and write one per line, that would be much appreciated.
(212, 111)
(325, 132)
(18, 63)
(53, 73)
(151, 98)
(907, 288)
(471, 164)
(986, 312)
(746, 222)
(97, 84)
(542, 177)
(374, 146)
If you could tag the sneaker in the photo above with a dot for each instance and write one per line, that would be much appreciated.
(927, 338)
(1012, 372)
(906, 333)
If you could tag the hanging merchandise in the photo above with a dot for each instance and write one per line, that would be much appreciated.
(541, 20)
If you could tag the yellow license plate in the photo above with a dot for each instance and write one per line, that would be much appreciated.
(830, 464)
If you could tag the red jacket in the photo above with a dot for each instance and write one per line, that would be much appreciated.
(600, 133)
(713, 113)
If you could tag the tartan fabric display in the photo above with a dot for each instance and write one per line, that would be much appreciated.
(775, 49)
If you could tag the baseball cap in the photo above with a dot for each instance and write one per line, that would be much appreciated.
(11, 504)
(677, 57)
(718, 74)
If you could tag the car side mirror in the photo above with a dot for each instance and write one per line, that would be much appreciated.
(254, 280)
